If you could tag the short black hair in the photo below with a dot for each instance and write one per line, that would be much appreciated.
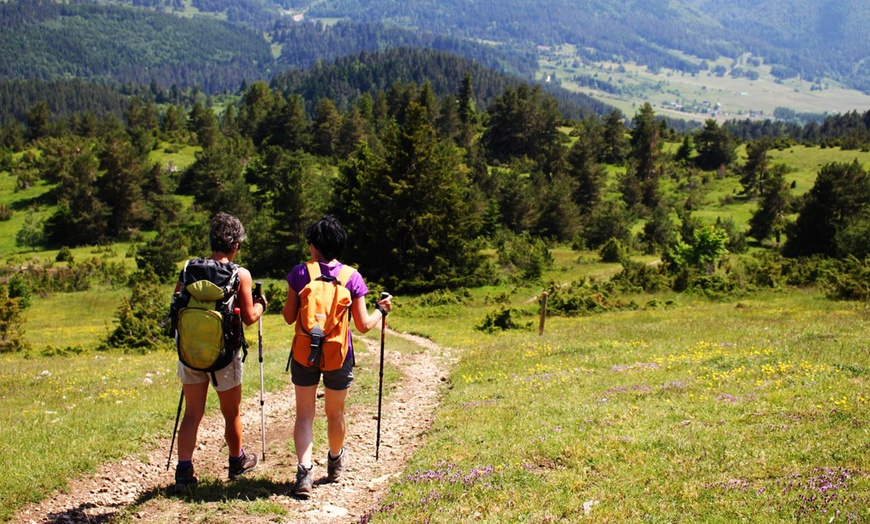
(328, 236)
(225, 231)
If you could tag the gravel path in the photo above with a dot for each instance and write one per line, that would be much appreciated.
(136, 489)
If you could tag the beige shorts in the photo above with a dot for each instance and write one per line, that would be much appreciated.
(227, 378)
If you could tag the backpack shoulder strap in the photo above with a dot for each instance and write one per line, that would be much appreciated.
(234, 281)
(344, 275)
(313, 270)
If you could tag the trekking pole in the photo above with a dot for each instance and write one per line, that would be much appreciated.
(175, 428)
(257, 293)
(381, 378)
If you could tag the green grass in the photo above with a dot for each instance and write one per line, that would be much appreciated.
(706, 412)
(67, 413)
(701, 411)
(806, 162)
(179, 156)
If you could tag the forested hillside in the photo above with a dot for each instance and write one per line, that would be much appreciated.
(804, 37)
(349, 77)
(801, 36)
(303, 44)
(46, 40)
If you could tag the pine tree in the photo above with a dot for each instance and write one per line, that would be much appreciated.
(714, 145)
(560, 216)
(770, 217)
(613, 150)
(407, 214)
(277, 231)
(841, 192)
(216, 182)
(582, 166)
(756, 168)
(326, 128)
(202, 123)
(640, 185)
(81, 217)
(120, 187)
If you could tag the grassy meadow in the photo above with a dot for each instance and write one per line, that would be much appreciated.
(682, 95)
(747, 410)
(750, 408)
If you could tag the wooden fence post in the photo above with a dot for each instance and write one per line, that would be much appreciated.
(544, 296)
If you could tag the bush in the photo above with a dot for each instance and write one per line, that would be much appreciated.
(582, 297)
(444, 297)
(64, 255)
(11, 324)
(614, 251)
(524, 256)
(18, 288)
(850, 282)
(275, 298)
(712, 285)
(499, 320)
(138, 318)
(637, 277)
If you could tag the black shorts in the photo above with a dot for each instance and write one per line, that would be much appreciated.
(338, 380)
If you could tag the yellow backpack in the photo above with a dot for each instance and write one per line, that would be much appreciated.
(206, 321)
(321, 338)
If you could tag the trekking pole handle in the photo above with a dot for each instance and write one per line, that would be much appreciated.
(384, 296)
(258, 290)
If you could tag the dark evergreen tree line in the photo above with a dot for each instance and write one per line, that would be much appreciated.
(121, 44)
(849, 130)
(304, 44)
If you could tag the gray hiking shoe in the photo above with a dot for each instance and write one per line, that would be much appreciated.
(336, 466)
(304, 481)
(242, 465)
(185, 480)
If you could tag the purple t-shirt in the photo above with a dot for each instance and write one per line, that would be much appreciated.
(298, 278)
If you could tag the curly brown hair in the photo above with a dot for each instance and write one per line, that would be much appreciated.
(225, 231)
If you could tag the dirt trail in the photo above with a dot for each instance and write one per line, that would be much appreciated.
(137, 488)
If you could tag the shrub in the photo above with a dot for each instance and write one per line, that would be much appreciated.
(444, 297)
(582, 297)
(524, 256)
(138, 318)
(11, 324)
(5, 213)
(614, 251)
(18, 288)
(499, 320)
(637, 277)
(64, 255)
(275, 298)
(851, 282)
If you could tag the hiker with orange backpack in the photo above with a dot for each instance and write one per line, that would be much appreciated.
(322, 295)
(206, 282)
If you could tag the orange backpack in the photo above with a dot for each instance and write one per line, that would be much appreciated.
(321, 338)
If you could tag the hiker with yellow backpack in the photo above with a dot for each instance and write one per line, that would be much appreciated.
(212, 299)
(323, 294)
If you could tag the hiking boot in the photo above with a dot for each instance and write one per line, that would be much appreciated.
(185, 481)
(304, 481)
(242, 465)
(336, 466)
